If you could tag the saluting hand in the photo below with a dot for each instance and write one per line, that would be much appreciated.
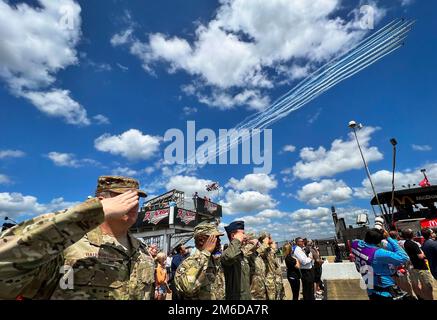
(266, 241)
(240, 236)
(120, 205)
(210, 243)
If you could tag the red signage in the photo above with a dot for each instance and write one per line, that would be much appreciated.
(429, 223)
(156, 215)
(186, 216)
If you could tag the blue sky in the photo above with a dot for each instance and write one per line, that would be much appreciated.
(96, 94)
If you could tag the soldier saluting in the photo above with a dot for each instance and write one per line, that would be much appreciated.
(256, 252)
(236, 264)
(198, 276)
(89, 243)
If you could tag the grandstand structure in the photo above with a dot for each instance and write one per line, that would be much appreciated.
(169, 219)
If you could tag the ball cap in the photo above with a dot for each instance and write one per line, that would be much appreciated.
(206, 229)
(118, 184)
(234, 226)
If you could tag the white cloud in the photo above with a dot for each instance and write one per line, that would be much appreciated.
(263, 222)
(343, 156)
(36, 44)
(247, 201)
(253, 221)
(101, 67)
(69, 160)
(63, 159)
(382, 180)
(188, 184)
(310, 223)
(122, 67)
(189, 110)
(305, 214)
(125, 171)
(317, 223)
(97, 66)
(224, 101)
(132, 144)
(255, 181)
(122, 38)
(58, 103)
(421, 147)
(16, 205)
(11, 154)
(271, 213)
(101, 119)
(278, 230)
(325, 192)
(314, 117)
(289, 148)
(149, 170)
(405, 3)
(245, 38)
(4, 179)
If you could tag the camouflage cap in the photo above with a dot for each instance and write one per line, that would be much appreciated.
(264, 234)
(118, 184)
(207, 229)
(250, 235)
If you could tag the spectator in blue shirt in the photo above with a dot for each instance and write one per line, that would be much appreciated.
(429, 247)
(377, 265)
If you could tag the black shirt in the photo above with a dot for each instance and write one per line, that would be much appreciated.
(292, 271)
(413, 250)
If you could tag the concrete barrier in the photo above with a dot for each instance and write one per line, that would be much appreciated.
(340, 271)
(342, 282)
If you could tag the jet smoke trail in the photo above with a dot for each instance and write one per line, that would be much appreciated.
(370, 50)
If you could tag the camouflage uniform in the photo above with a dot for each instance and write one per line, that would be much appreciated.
(258, 283)
(236, 266)
(196, 277)
(280, 291)
(33, 253)
(218, 286)
(270, 266)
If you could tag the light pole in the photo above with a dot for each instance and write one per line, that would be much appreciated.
(393, 143)
(354, 126)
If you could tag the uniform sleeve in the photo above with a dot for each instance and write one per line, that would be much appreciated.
(190, 273)
(396, 256)
(231, 254)
(263, 250)
(35, 242)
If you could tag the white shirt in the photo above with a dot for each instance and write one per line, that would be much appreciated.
(305, 261)
(168, 262)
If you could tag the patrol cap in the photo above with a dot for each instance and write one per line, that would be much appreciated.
(250, 235)
(206, 229)
(234, 226)
(263, 235)
(118, 184)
